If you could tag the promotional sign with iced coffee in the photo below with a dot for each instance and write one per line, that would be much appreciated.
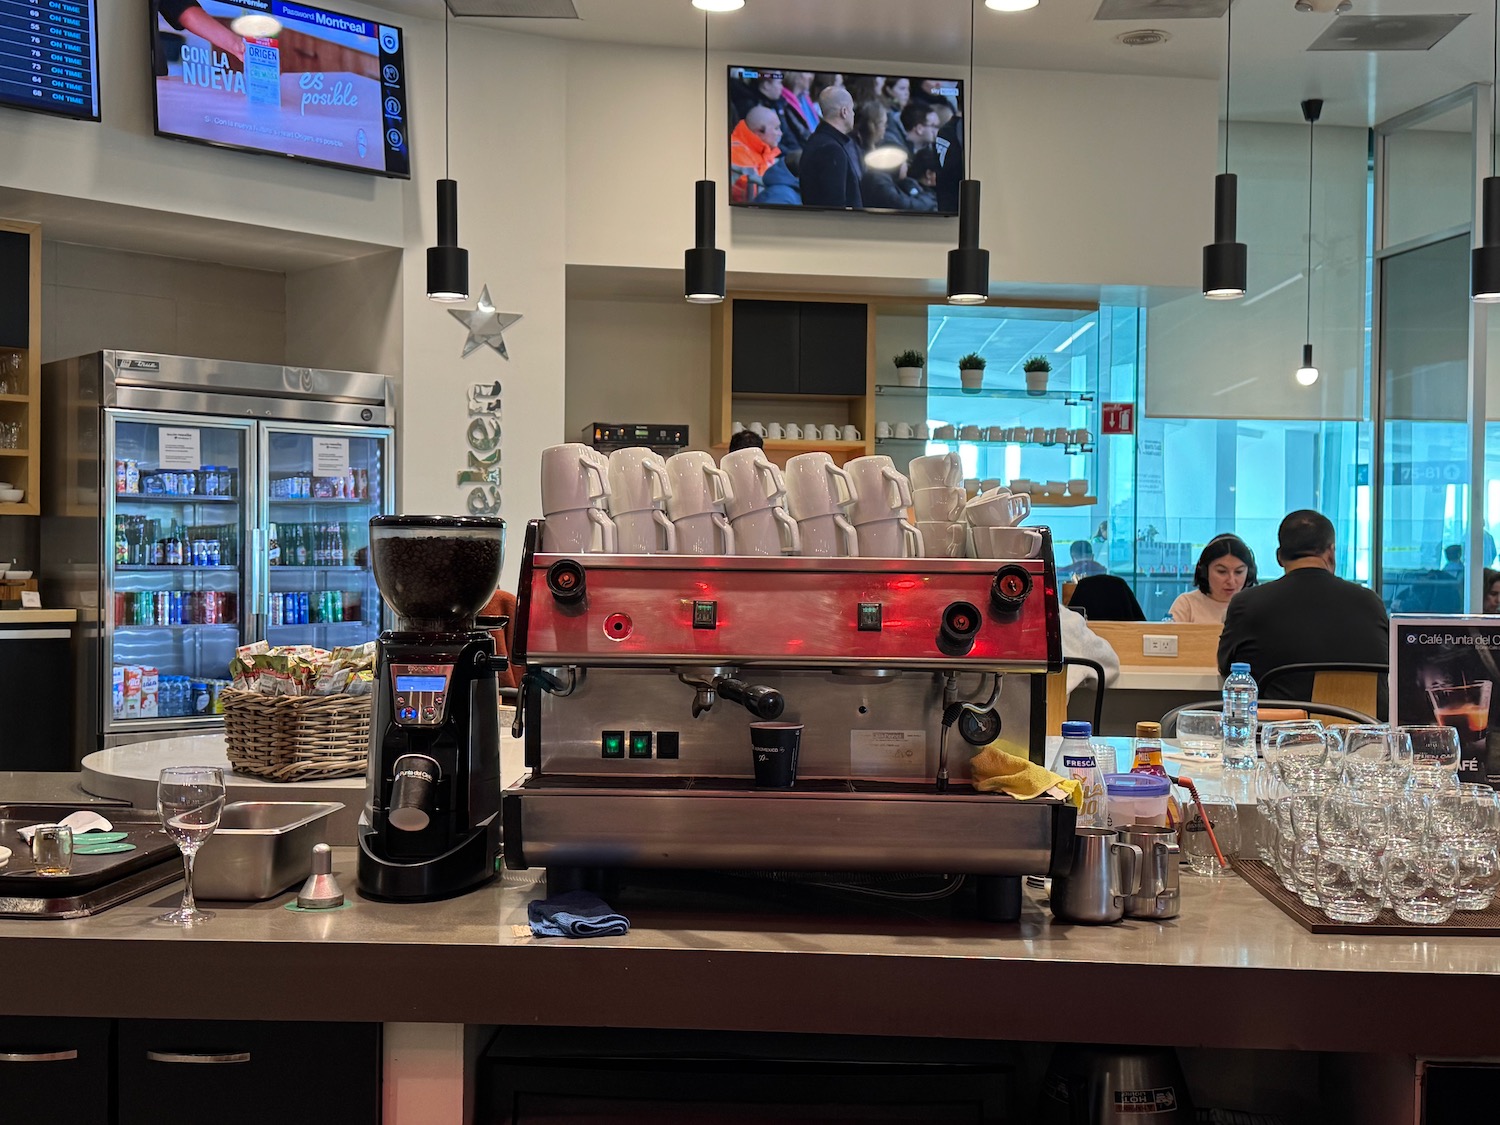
(1444, 671)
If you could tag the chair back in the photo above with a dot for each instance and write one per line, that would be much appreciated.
(1357, 686)
(1106, 597)
(1057, 694)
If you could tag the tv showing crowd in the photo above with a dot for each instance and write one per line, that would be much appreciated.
(849, 142)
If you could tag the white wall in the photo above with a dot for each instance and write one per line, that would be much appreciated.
(1087, 178)
(1236, 359)
(346, 316)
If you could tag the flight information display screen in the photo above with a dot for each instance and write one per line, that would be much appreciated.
(49, 57)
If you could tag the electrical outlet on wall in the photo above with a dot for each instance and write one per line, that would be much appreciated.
(1159, 644)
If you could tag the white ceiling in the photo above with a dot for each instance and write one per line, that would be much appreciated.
(1273, 70)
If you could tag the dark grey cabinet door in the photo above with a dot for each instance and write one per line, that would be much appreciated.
(831, 348)
(243, 1073)
(55, 1069)
(765, 347)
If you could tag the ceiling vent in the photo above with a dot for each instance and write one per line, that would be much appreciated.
(1149, 11)
(1145, 37)
(516, 9)
(1385, 33)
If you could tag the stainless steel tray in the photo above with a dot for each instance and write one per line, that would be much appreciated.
(260, 849)
(95, 882)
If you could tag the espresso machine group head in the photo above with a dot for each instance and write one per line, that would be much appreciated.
(430, 826)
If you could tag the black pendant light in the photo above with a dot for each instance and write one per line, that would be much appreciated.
(447, 262)
(1484, 279)
(969, 266)
(1307, 374)
(703, 265)
(1224, 259)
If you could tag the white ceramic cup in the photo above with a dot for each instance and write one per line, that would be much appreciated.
(971, 487)
(1057, 487)
(904, 430)
(1006, 542)
(1080, 437)
(880, 490)
(707, 533)
(638, 482)
(1020, 485)
(920, 430)
(971, 433)
(582, 531)
(776, 431)
(938, 470)
(698, 485)
(989, 484)
(944, 505)
(831, 432)
(994, 433)
(811, 431)
(831, 536)
(1036, 434)
(1015, 433)
(646, 533)
(997, 509)
(1078, 486)
(944, 432)
(850, 433)
(758, 428)
(793, 431)
(882, 429)
(815, 486)
(737, 427)
(571, 478)
(943, 539)
(889, 539)
(766, 531)
(755, 483)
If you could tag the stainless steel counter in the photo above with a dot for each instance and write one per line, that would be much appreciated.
(726, 961)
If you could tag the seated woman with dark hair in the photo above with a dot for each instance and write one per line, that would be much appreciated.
(1225, 567)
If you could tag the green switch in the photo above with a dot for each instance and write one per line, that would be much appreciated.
(612, 744)
(640, 744)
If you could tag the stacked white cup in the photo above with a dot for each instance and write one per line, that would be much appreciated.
(993, 516)
(696, 506)
(755, 505)
(575, 494)
(881, 497)
(638, 492)
(938, 498)
(818, 494)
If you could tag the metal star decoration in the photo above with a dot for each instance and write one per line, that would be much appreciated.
(485, 325)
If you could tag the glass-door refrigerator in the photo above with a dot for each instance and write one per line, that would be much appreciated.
(191, 506)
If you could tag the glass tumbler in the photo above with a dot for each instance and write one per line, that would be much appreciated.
(1200, 735)
(1353, 830)
(52, 849)
(1193, 838)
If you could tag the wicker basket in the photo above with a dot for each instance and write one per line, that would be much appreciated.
(296, 738)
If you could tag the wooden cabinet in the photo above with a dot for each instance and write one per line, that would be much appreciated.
(20, 363)
(808, 359)
(55, 1069)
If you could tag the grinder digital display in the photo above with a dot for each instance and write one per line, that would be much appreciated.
(421, 693)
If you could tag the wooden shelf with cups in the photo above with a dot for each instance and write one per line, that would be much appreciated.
(20, 367)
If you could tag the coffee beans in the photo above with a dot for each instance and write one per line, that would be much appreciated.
(436, 582)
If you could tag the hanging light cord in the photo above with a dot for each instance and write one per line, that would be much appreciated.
(1494, 98)
(1228, 57)
(968, 115)
(447, 83)
(705, 92)
(1311, 125)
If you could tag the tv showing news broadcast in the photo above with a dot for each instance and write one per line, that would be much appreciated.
(889, 144)
(283, 78)
(49, 57)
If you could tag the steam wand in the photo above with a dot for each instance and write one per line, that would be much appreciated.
(953, 709)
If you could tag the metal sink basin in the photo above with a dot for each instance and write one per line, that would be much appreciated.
(260, 848)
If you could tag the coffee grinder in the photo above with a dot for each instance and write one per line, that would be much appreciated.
(430, 826)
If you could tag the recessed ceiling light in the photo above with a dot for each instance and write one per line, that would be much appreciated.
(1011, 5)
(1145, 37)
(719, 5)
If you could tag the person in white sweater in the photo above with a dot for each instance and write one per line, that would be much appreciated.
(1225, 567)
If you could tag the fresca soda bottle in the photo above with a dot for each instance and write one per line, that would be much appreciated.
(1079, 762)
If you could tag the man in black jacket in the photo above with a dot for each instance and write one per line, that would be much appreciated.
(831, 167)
(1308, 616)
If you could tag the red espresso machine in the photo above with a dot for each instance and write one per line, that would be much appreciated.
(640, 675)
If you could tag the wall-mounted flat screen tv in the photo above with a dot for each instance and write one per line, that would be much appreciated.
(800, 140)
(49, 57)
(283, 78)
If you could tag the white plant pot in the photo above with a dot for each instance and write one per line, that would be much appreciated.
(909, 376)
(972, 380)
(1036, 382)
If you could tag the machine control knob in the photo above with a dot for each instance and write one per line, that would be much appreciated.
(1009, 589)
(958, 628)
(565, 578)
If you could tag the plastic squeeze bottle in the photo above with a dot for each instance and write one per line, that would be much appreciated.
(1148, 760)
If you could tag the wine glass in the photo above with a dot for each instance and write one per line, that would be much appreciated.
(190, 800)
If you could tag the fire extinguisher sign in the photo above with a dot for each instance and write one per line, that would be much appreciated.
(1118, 417)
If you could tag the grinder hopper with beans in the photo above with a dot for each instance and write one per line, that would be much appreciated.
(430, 826)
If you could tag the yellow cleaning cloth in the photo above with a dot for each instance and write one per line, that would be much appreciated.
(995, 771)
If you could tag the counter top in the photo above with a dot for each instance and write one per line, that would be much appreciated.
(37, 617)
(759, 954)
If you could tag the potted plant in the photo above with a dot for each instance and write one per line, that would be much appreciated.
(909, 368)
(1037, 369)
(971, 372)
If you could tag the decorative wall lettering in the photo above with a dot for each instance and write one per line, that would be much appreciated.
(482, 437)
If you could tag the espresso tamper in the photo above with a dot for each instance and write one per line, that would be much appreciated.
(322, 890)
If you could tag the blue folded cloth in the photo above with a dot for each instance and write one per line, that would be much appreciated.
(575, 914)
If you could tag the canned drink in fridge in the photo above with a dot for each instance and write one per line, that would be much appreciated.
(336, 605)
(163, 608)
(132, 476)
(289, 609)
(304, 607)
(363, 492)
(120, 475)
(210, 607)
(177, 607)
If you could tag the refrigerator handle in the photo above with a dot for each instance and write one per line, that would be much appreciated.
(257, 576)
